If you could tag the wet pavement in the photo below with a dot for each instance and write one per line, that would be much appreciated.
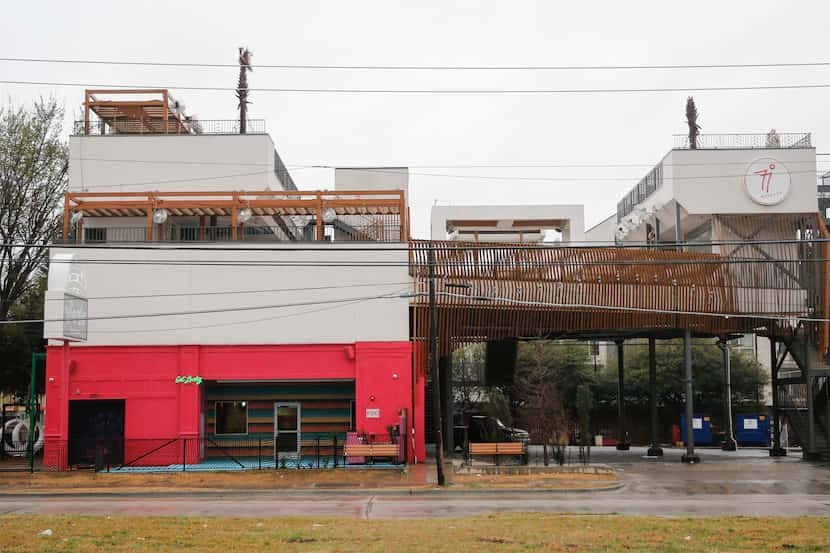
(746, 483)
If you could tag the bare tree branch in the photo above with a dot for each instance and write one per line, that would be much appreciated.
(34, 163)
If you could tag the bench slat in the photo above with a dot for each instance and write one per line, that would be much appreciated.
(497, 448)
(371, 450)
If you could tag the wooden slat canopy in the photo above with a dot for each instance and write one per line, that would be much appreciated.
(493, 291)
(147, 112)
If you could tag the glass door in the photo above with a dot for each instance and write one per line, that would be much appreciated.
(287, 429)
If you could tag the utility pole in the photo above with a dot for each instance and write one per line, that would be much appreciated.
(245, 56)
(434, 369)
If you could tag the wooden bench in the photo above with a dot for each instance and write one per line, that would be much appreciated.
(497, 450)
(371, 450)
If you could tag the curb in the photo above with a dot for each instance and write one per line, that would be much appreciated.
(282, 492)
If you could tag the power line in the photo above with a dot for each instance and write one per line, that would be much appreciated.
(550, 179)
(430, 67)
(236, 323)
(650, 310)
(388, 166)
(190, 179)
(436, 91)
(507, 264)
(207, 311)
(438, 245)
(239, 292)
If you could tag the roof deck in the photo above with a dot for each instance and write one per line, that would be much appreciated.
(149, 111)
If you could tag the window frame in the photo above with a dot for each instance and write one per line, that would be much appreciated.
(216, 418)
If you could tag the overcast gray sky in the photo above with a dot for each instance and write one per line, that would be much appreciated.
(462, 129)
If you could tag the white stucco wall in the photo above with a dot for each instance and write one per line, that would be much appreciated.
(708, 182)
(602, 234)
(371, 178)
(190, 279)
(712, 181)
(573, 215)
(131, 163)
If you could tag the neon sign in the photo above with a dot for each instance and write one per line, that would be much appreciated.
(188, 380)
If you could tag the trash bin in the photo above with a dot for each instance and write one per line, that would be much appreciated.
(701, 427)
(753, 430)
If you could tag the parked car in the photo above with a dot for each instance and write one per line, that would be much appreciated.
(483, 428)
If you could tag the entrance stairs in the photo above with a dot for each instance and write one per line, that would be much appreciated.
(795, 405)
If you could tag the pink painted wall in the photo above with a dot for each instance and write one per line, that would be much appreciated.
(156, 407)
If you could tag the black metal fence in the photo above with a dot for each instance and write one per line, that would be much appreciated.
(214, 453)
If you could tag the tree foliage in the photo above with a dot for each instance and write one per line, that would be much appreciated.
(33, 169)
(18, 342)
(548, 375)
(584, 406)
(748, 377)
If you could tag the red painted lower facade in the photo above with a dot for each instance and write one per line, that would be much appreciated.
(157, 407)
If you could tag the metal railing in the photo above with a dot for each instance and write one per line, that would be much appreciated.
(290, 231)
(744, 141)
(116, 127)
(646, 187)
(214, 453)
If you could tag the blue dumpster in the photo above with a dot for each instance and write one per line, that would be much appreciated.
(753, 430)
(702, 429)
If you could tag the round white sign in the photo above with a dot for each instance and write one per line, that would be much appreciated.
(767, 181)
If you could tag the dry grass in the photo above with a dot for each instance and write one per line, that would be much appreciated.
(494, 533)
(184, 481)
(84, 481)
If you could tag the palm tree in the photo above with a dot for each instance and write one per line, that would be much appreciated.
(691, 121)
(245, 56)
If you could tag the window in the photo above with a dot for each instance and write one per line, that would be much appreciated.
(231, 417)
(95, 234)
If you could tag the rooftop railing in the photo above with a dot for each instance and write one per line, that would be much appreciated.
(131, 127)
(380, 231)
(771, 140)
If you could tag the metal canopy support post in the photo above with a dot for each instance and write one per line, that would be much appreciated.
(689, 456)
(729, 442)
(434, 368)
(654, 450)
(445, 375)
(622, 437)
(776, 450)
(30, 446)
(810, 452)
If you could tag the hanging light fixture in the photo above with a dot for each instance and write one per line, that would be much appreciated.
(329, 215)
(244, 215)
(159, 216)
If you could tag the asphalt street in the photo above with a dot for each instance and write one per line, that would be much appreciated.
(746, 483)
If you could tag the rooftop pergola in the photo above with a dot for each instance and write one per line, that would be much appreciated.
(228, 204)
(135, 111)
